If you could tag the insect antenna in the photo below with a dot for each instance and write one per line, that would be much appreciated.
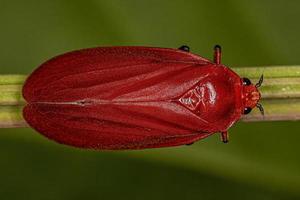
(261, 80)
(261, 109)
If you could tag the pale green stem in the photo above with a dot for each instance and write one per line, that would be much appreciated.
(280, 92)
(280, 95)
(11, 116)
(11, 101)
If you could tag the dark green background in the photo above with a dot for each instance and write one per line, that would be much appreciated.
(260, 162)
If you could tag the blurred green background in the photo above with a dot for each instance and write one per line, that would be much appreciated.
(260, 162)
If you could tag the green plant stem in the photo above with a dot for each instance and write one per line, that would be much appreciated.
(280, 92)
(280, 95)
(11, 116)
(11, 101)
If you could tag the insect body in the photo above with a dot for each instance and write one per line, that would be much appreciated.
(135, 97)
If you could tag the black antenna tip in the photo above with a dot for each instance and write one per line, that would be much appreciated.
(261, 80)
(217, 47)
(261, 109)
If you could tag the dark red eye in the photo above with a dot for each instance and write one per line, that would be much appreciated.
(247, 110)
(246, 81)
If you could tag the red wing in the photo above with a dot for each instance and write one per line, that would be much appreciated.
(110, 127)
(105, 73)
(116, 98)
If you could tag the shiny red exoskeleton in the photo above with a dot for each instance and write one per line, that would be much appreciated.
(135, 97)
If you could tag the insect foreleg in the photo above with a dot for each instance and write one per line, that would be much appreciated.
(184, 48)
(217, 54)
(224, 136)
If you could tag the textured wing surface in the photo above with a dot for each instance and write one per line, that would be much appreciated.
(116, 98)
(108, 73)
(108, 127)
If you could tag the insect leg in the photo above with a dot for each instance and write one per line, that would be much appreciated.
(190, 144)
(217, 54)
(224, 136)
(184, 48)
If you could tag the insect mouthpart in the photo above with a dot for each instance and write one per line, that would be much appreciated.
(255, 96)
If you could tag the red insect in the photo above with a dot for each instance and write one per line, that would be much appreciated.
(135, 97)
